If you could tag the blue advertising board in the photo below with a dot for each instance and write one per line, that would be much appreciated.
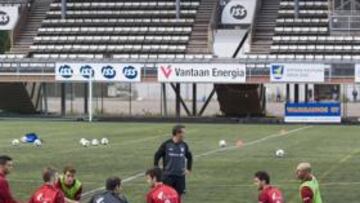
(313, 112)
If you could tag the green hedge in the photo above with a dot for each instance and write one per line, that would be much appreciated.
(4, 41)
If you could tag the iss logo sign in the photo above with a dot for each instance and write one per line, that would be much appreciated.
(4, 18)
(8, 17)
(108, 72)
(238, 12)
(130, 72)
(65, 71)
(87, 71)
(98, 72)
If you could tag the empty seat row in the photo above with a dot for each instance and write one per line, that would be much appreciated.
(304, 4)
(318, 56)
(304, 13)
(109, 1)
(107, 48)
(302, 21)
(48, 67)
(68, 56)
(301, 30)
(297, 57)
(110, 39)
(121, 56)
(123, 5)
(317, 39)
(117, 13)
(305, 1)
(116, 22)
(316, 48)
(115, 30)
(163, 56)
(12, 56)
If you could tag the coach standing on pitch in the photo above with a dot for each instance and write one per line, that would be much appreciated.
(175, 153)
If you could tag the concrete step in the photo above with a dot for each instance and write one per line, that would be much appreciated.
(259, 51)
(265, 23)
(262, 42)
(25, 39)
(199, 36)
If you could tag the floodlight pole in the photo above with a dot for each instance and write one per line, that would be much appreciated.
(90, 99)
(177, 3)
(63, 9)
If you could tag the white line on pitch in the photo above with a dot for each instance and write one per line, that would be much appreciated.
(131, 178)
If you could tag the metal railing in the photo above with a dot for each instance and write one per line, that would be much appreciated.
(341, 22)
(344, 15)
(149, 69)
(213, 25)
(253, 24)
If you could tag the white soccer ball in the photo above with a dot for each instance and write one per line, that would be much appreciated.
(82, 140)
(222, 143)
(95, 142)
(280, 153)
(104, 141)
(15, 142)
(23, 139)
(37, 143)
(85, 143)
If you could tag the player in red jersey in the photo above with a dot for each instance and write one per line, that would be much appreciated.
(159, 192)
(6, 164)
(48, 193)
(268, 193)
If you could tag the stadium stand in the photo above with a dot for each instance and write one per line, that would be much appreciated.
(116, 29)
(309, 34)
(141, 29)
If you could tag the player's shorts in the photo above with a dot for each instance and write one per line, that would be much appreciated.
(176, 182)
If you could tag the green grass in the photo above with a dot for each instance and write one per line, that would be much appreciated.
(218, 177)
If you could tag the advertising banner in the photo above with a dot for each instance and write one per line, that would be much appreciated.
(206, 73)
(312, 73)
(98, 72)
(313, 112)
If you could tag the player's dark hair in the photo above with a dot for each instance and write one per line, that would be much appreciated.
(177, 129)
(263, 176)
(70, 169)
(48, 174)
(4, 159)
(112, 183)
(155, 172)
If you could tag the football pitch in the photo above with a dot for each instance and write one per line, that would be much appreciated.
(219, 174)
